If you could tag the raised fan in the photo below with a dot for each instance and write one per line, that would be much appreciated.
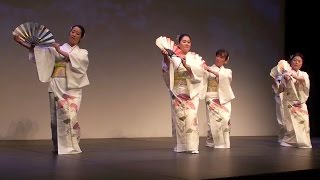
(34, 34)
(165, 43)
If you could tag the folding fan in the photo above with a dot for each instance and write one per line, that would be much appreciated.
(34, 34)
(283, 67)
(167, 44)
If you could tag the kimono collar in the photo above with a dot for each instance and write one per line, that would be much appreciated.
(214, 65)
(66, 47)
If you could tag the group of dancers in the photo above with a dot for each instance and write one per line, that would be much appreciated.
(188, 78)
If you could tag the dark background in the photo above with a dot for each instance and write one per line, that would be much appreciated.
(302, 35)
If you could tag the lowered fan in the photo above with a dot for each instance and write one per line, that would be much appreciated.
(34, 34)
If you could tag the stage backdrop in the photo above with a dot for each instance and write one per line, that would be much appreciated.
(127, 96)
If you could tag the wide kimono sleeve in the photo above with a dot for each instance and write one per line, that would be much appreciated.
(276, 79)
(76, 70)
(204, 85)
(304, 88)
(195, 83)
(225, 76)
(166, 74)
(225, 90)
(196, 64)
(44, 57)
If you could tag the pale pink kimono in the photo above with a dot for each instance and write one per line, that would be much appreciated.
(67, 91)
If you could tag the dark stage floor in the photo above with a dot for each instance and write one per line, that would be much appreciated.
(154, 159)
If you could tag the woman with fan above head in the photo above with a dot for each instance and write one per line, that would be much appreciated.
(295, 85)
(65, 68)
(186, 73)
(218, 95)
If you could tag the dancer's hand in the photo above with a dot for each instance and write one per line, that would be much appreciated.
(17, 39)
(56, 46)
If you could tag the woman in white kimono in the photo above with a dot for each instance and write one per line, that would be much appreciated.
(218, 95)
(185, 74)
(65, 68)
(296, 89)
(278, 91)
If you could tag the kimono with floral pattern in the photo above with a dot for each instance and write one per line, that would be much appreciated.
(296, 115)
(185, 87)
(67, 90)
(218, 96)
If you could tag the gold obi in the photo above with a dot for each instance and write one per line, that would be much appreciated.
(180, 78)
(59, 69)
(212, 85)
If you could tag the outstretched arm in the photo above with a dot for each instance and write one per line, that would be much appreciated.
(207, 68)
(22, 43)
(213, 72)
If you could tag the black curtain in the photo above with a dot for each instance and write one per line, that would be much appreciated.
(302, 35)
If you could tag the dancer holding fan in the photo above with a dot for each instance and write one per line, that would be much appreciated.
(65, 68)
(294, 85)
(186, 73)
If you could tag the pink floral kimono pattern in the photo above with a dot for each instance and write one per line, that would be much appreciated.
(67, 91)
(185, 114)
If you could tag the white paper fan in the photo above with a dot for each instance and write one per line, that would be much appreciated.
(34, 34)
(165, 43)
(283, 67)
